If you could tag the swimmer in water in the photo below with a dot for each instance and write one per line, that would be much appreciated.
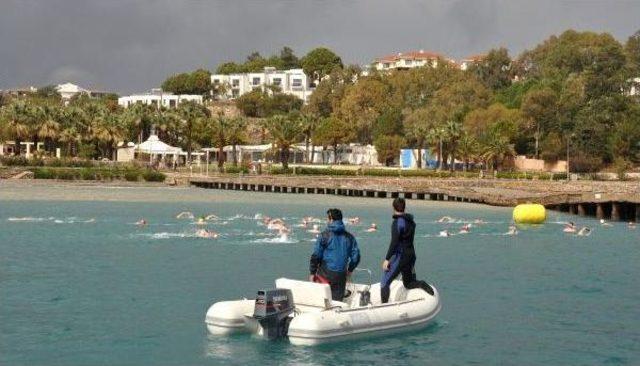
(201, 221)
(604, 223)
(184, 215)
(276, 224)
(353, 220)
(315, 229)
(444, 234)
(465, 229)
(569, 227)
(211, 217)
(445, 219)
(513, 230)
(206, 234)
(284, 234)
(631, 225)
(585, 231)
(372, 228)
(141, 222)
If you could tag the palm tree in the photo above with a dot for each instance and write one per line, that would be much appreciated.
(236, 134)
(417, 126)
(139, 117)
(217, 128)
(310, 123)
(497, 149)
(436, 137)
(284, 131)
(466, 148)
(191, 115)
(453, 130)
(49, 130)
(74, 125)
(16, 119)
(106, 132)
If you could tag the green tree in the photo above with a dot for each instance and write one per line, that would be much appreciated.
(497, 150)
(362, 104)
(632, 49)
(16, 119)
(388, 148)
(197, 82)
(539, 110)
(285, 130)
(493, 70)
(310, 123)
(319, 62)
(217, 128)
(236, 134)
(327, 97)
(289, 59)
(333, 132)
(227, 68)
(467, 148)
(260, 104)
(417, 126)
(192, 116)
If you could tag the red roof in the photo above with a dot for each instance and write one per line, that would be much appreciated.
(412, 55)
(475, 58)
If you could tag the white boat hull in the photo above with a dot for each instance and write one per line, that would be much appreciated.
(319, 320)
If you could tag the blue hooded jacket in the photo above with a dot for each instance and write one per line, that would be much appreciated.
(336, 248)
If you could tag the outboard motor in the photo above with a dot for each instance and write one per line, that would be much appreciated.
(272, 310)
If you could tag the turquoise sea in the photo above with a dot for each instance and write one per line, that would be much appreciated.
(81, 284)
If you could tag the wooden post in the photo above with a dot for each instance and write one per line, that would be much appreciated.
(637, 212)
(581, 210)
(615, 211)
(599, 211)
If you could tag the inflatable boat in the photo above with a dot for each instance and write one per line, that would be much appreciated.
(304, 313)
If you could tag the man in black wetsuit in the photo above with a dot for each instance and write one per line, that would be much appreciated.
(401, 256)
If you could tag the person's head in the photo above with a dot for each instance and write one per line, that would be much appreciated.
(334, 214)
(399, 205)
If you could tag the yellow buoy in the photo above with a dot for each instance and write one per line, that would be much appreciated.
(529, 213)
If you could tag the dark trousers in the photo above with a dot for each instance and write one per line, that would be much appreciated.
(337, 282)
(407, 268)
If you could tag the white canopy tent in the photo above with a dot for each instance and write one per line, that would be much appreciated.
(154, 147)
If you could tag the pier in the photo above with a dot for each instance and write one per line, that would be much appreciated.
(603, 200)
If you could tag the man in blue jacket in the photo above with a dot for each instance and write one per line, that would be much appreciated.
(335, 255)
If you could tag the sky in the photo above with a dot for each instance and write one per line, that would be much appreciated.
(129, 46)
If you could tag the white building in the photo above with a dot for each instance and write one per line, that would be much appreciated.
(69, 90)
(158, 98)
(471, 60)
(293, 82)
(635, 87)
(407, 60)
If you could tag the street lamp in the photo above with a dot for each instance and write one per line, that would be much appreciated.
(569, 137)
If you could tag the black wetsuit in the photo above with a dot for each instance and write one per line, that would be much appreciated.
(402, 257)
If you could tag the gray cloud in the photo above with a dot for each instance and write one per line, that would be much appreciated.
(132, 45)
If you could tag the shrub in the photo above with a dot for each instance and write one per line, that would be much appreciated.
(132, 175)
(622, 166)
(87, 174)
(236, 169)
(105, 174)
(43, 173)
(12, 160)
(153, 176)
(280, 170)
(558, 176)
(66, 174)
